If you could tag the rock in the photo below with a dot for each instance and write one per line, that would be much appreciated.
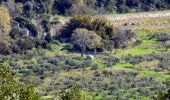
(23, 32)
(90, 57)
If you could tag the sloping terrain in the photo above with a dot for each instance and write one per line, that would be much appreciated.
(135, 72)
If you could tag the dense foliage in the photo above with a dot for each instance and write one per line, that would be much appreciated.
(4, 22)
(85, 39)
(101, 26)
(82, 7)
(123, 56)
(28, 24)
(10, 89)
(111, 36)
(48, 73)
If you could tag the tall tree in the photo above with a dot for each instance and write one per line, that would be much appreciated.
(4, 22)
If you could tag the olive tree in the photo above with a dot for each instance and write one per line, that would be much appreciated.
(84, 38)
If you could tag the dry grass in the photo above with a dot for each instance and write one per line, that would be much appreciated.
(146, 20)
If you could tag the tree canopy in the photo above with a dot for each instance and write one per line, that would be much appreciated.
(4, 21)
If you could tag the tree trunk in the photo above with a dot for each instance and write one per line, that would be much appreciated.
(95, 51)
(82, 51)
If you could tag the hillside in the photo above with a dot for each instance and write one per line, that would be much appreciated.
(46, 53)
(91, 7)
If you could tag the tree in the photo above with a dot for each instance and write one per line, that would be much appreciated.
(101, 26)
(48, 4)
(60, 6)
(2, 1)
(4, 22)
(164, 95)
(10, 88)
(72, 94)
(93, 41)
(39, 7)
(85, 39)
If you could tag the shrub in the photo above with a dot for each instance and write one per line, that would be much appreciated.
(73, 94)
(14, 47)
(68, 47)
(167, 44)
(38, 42)
(54, 61)
(124, 9)
(46, 25)
(94, 67)
(39, 7)
(162, 36)
(46, 45)
(25, 43)
(122, 36)
(28, 24)
(14, 34)
(72, 62)
(27, 9)
(5, 48)
(48, 38)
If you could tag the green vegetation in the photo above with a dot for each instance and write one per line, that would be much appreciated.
(102, 27)
(52, 55)
(4, 22)
(10, 89)
(73, 94)
(28, 24)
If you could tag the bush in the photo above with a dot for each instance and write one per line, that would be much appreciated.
(54, 61)
(72, 63)
(5, 48)
(48, 38)
(162, 36)
(14, 34)
(46, 45)
(46, 25)
(27, 9)
(25, 43)
(68, 47)
(167, 44)
(28, 24)
(38, 42)
(122, 36)
(73, 94)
